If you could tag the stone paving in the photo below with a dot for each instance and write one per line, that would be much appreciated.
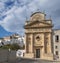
(23, 60)
(10, 57)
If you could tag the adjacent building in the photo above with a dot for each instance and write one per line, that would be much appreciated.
(38, 37)
(1, 41)
(7, 38)
(56, 43)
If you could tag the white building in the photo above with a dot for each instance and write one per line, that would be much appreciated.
(56, 43)
(14, 38)
(0, 41)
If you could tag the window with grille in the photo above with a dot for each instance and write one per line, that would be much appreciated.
(56, 52)
(56, 47)
(56, 38)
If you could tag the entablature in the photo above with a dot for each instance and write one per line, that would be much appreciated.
(38, 30)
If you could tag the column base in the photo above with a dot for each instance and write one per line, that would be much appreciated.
(29, 55)
(48, 56)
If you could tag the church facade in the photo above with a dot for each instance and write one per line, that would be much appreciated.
(38, 37)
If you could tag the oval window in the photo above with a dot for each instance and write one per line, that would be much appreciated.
(37, 38)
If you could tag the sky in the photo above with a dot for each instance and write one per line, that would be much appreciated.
(14, 13)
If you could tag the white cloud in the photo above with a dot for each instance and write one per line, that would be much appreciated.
(1, 7)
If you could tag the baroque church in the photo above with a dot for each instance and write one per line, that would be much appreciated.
(38, 37)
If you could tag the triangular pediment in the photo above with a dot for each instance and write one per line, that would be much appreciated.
(38, 24)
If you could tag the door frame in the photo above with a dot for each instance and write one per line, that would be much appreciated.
(37, 52)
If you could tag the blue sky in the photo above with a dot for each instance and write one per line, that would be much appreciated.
(13, 14)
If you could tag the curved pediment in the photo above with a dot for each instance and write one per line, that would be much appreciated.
(37, 16)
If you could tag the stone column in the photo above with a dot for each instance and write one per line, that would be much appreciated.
(26, 43)
(43, 44)
(50, 42)
(32, 43)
